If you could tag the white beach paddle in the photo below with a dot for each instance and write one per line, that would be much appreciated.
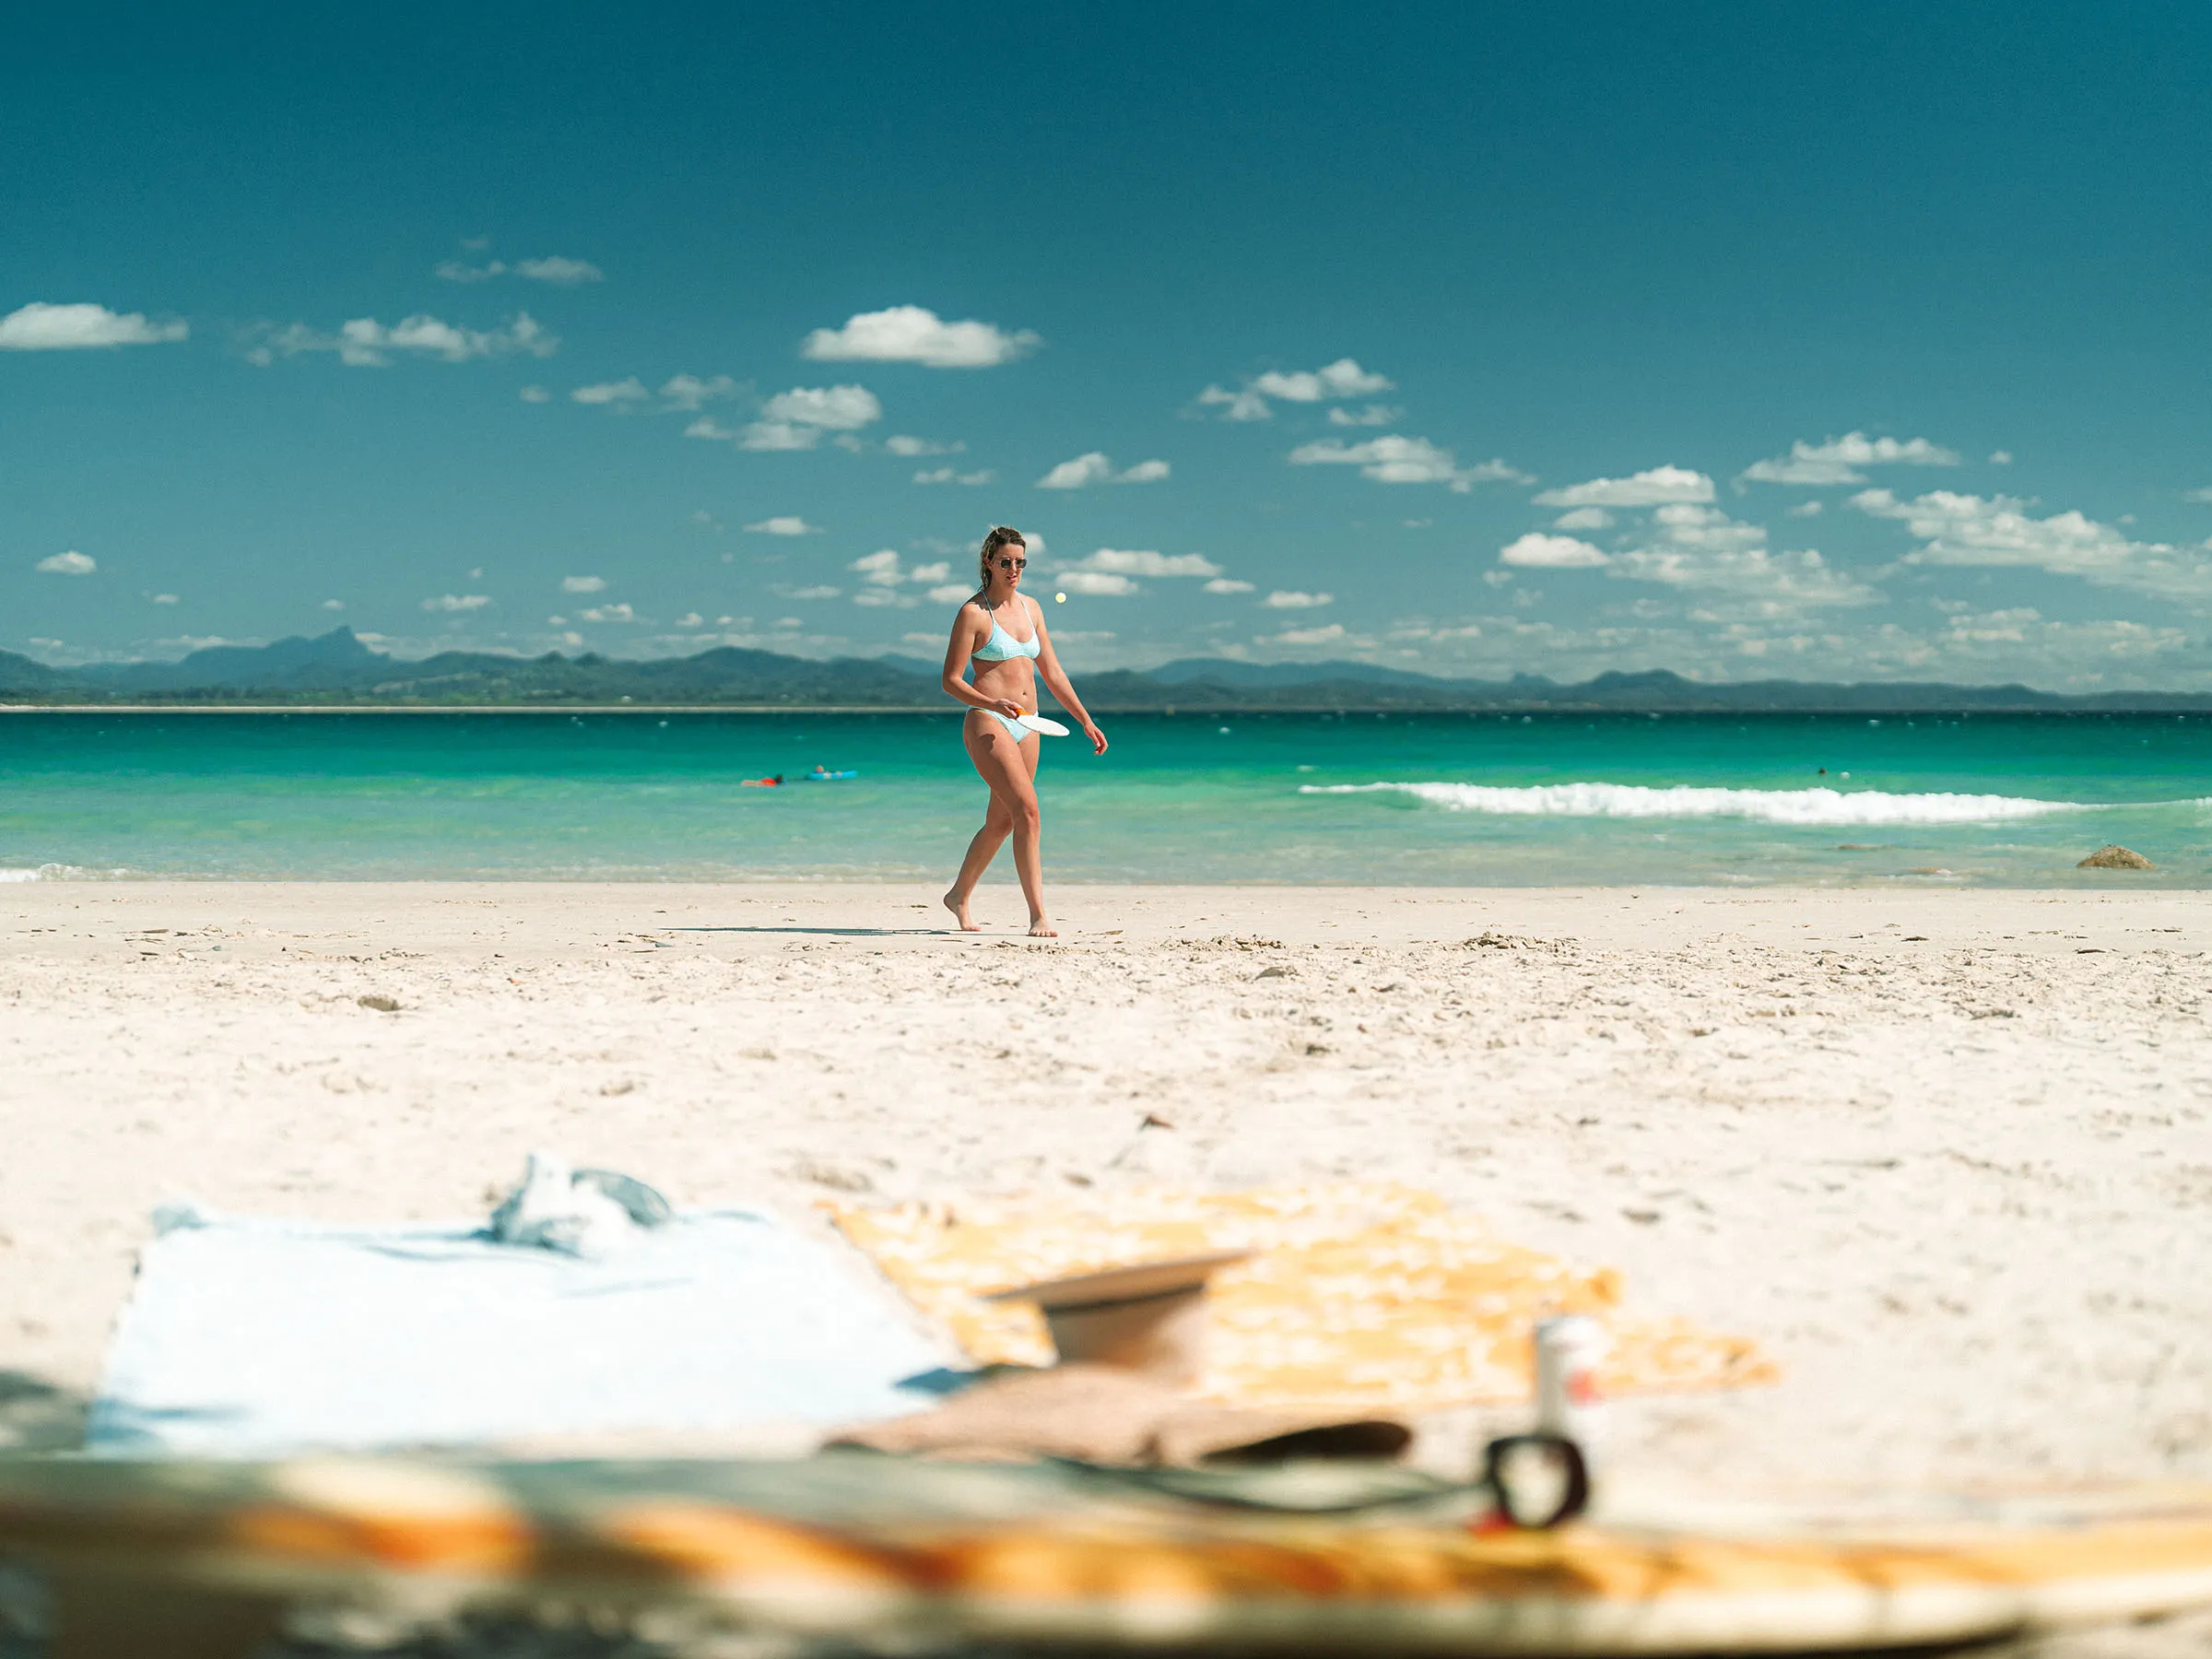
(1038, 723)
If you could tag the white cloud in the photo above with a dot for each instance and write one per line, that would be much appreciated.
(946, 475)
(707, 426)
(1328, 635)
(609, 612)
(1968, 530)
(1239, 406)
(71, 563)
(1228, 584)
(583, 584)
(840, 408)
(1808, 509)
(1292, 599)
(910, 333)
(899, 444)
(364, 343)
(686, 392)
(690, 619)
(1699, 548)
(1343, 378)
(1837, 461)
(768, 435)
(2197, 495)
(165, 598)
(457, 602)
(2000, 458)
(612, 392)
(1373, 415)
(561, 273)
(810, 592)
(534, 394)
(1094, 467)
(1583, 518)
(884, 570)
(1652, 488)
(454, 270)
(1135, 562)
(952, 592)
(42, 327)
(880, 567)
(1098, 584)
(334, 604)
(785, 523)
(1539, 551)
(1397, 460)
(795, 419)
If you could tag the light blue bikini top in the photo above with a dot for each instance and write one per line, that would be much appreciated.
(1002, 644)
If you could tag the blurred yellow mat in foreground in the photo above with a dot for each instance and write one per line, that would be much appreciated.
(1363, 1293)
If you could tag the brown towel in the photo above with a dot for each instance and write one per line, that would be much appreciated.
(1104, 1415)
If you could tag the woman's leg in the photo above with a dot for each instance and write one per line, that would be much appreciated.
(1008, 768)
(999, 823)
(1029, 836)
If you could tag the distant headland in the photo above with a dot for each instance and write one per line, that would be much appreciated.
(338, 670)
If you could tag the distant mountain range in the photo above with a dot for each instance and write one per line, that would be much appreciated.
(336, 668)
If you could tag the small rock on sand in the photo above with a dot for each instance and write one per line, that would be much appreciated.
(2115, 858)
(381, 1004)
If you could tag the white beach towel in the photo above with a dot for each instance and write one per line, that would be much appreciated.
(252, 1339)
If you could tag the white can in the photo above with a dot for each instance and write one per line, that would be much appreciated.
(1568, 1349)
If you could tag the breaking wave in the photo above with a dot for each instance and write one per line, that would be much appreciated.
(1764, 806)
(58, 872)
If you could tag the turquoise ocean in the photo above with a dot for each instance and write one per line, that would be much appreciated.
(1397, 799)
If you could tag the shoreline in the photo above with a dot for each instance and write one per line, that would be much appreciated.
(1901, 887)
(778, 908)
(1199, 711)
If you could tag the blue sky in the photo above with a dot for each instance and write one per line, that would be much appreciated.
(1741, 340)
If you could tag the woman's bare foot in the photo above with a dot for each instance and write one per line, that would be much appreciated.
(1040, 928)
(959, 907)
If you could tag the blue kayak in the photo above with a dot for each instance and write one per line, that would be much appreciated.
(828, 777)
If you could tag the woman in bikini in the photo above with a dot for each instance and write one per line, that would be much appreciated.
(1002, 633)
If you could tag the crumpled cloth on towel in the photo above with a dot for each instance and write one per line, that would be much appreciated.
(1102, 1414)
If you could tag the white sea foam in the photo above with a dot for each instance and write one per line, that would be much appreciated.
(1764, 806)
(59, 872)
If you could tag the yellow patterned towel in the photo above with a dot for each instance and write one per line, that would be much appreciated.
(1362, 1294)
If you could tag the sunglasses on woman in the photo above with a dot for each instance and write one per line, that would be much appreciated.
(1013, 564)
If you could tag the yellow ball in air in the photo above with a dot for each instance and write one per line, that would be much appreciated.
(1059, 598)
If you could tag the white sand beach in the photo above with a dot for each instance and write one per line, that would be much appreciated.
(1944, 1153)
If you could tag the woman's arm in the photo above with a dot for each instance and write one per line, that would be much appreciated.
(1056, 682)
(957, 652)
